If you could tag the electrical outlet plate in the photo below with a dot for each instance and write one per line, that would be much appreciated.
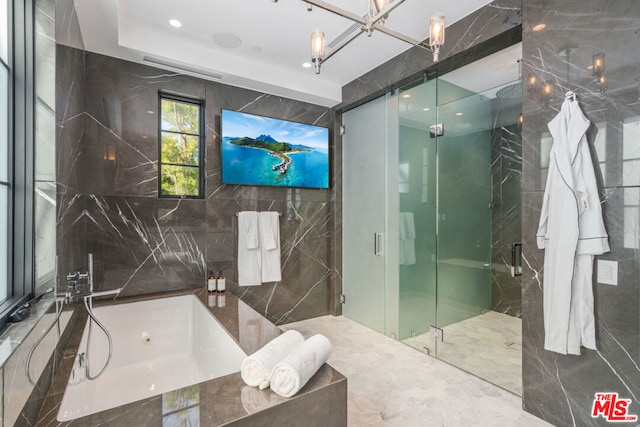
(608, 272)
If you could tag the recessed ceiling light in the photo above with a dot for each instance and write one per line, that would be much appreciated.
(150, 112)
(459, 114)
(175, 23)
(539, 27)
(306, 64)
(425, 109)
(406, 95)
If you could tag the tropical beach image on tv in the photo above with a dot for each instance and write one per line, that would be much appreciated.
(258, 150)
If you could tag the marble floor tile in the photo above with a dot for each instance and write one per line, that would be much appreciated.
(488, 345)
(391, 384)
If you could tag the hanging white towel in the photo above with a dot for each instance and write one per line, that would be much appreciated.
(407, 246)
(249, 256)
(270, 246)
(256, 368)
(290, 375)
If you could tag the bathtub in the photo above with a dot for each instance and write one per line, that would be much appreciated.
(158, 346)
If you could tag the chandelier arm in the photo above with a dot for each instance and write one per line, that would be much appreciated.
(384, 12)
(343, 43)
(338, 11)
(400, 36)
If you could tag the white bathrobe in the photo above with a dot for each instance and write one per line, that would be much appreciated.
(571, 231)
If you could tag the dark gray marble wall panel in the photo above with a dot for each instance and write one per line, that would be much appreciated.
(560, 388)
(70, 123)
(70, 114)
(67, 26)
(478, 26)
(506, 226)
(152, 245)
(145, 245)
(304, 291)
(120, 145)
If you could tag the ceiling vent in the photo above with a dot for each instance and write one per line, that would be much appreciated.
(181, 67)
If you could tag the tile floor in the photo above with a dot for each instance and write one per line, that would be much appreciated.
(392, 384)
(488, 345)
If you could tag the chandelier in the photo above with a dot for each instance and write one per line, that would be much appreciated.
(377, 12)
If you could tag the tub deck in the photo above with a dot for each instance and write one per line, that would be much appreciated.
(221, 401)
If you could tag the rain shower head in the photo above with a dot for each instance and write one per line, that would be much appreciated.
(513, 91)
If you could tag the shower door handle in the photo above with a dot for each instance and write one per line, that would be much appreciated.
(377, 244)
(516, 259)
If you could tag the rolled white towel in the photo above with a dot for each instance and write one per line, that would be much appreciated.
(256, 368)
(290, 375)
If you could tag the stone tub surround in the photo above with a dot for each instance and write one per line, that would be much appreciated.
(21, 399)
(222, 401)
(107, 191)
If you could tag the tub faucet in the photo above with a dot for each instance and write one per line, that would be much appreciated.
(80, 284)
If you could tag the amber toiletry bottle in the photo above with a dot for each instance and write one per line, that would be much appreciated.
(211, 282)
(221, 282)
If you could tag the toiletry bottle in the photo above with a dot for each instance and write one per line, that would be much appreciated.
(211, 282)
(211, 300)
(221, 282)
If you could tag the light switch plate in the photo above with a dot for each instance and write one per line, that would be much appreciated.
(608, 272)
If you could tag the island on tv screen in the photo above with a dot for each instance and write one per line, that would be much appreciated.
(259, 150)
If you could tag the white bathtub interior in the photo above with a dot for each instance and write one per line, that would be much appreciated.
(158, 346)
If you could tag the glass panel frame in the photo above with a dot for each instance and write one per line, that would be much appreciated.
(5, 35)
(191, 132)
(4, 243)
(4, 123)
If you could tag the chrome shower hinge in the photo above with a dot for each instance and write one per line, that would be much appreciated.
(437, 333)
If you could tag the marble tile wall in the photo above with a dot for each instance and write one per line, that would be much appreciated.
(506, 224)
(108, 204)
(67, 31)
(557, 388)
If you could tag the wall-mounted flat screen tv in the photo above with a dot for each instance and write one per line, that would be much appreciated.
(258, 150)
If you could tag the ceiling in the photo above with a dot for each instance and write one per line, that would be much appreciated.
(256, 44)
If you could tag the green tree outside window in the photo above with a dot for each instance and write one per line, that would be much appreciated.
(181, 151)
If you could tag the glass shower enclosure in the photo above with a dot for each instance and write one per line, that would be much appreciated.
(431, 217)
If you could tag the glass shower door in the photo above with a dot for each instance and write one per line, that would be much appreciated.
(417, 204)
(364, 214)
(478, 225)
(464, 208)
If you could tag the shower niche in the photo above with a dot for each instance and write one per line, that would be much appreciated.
(431, 216)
